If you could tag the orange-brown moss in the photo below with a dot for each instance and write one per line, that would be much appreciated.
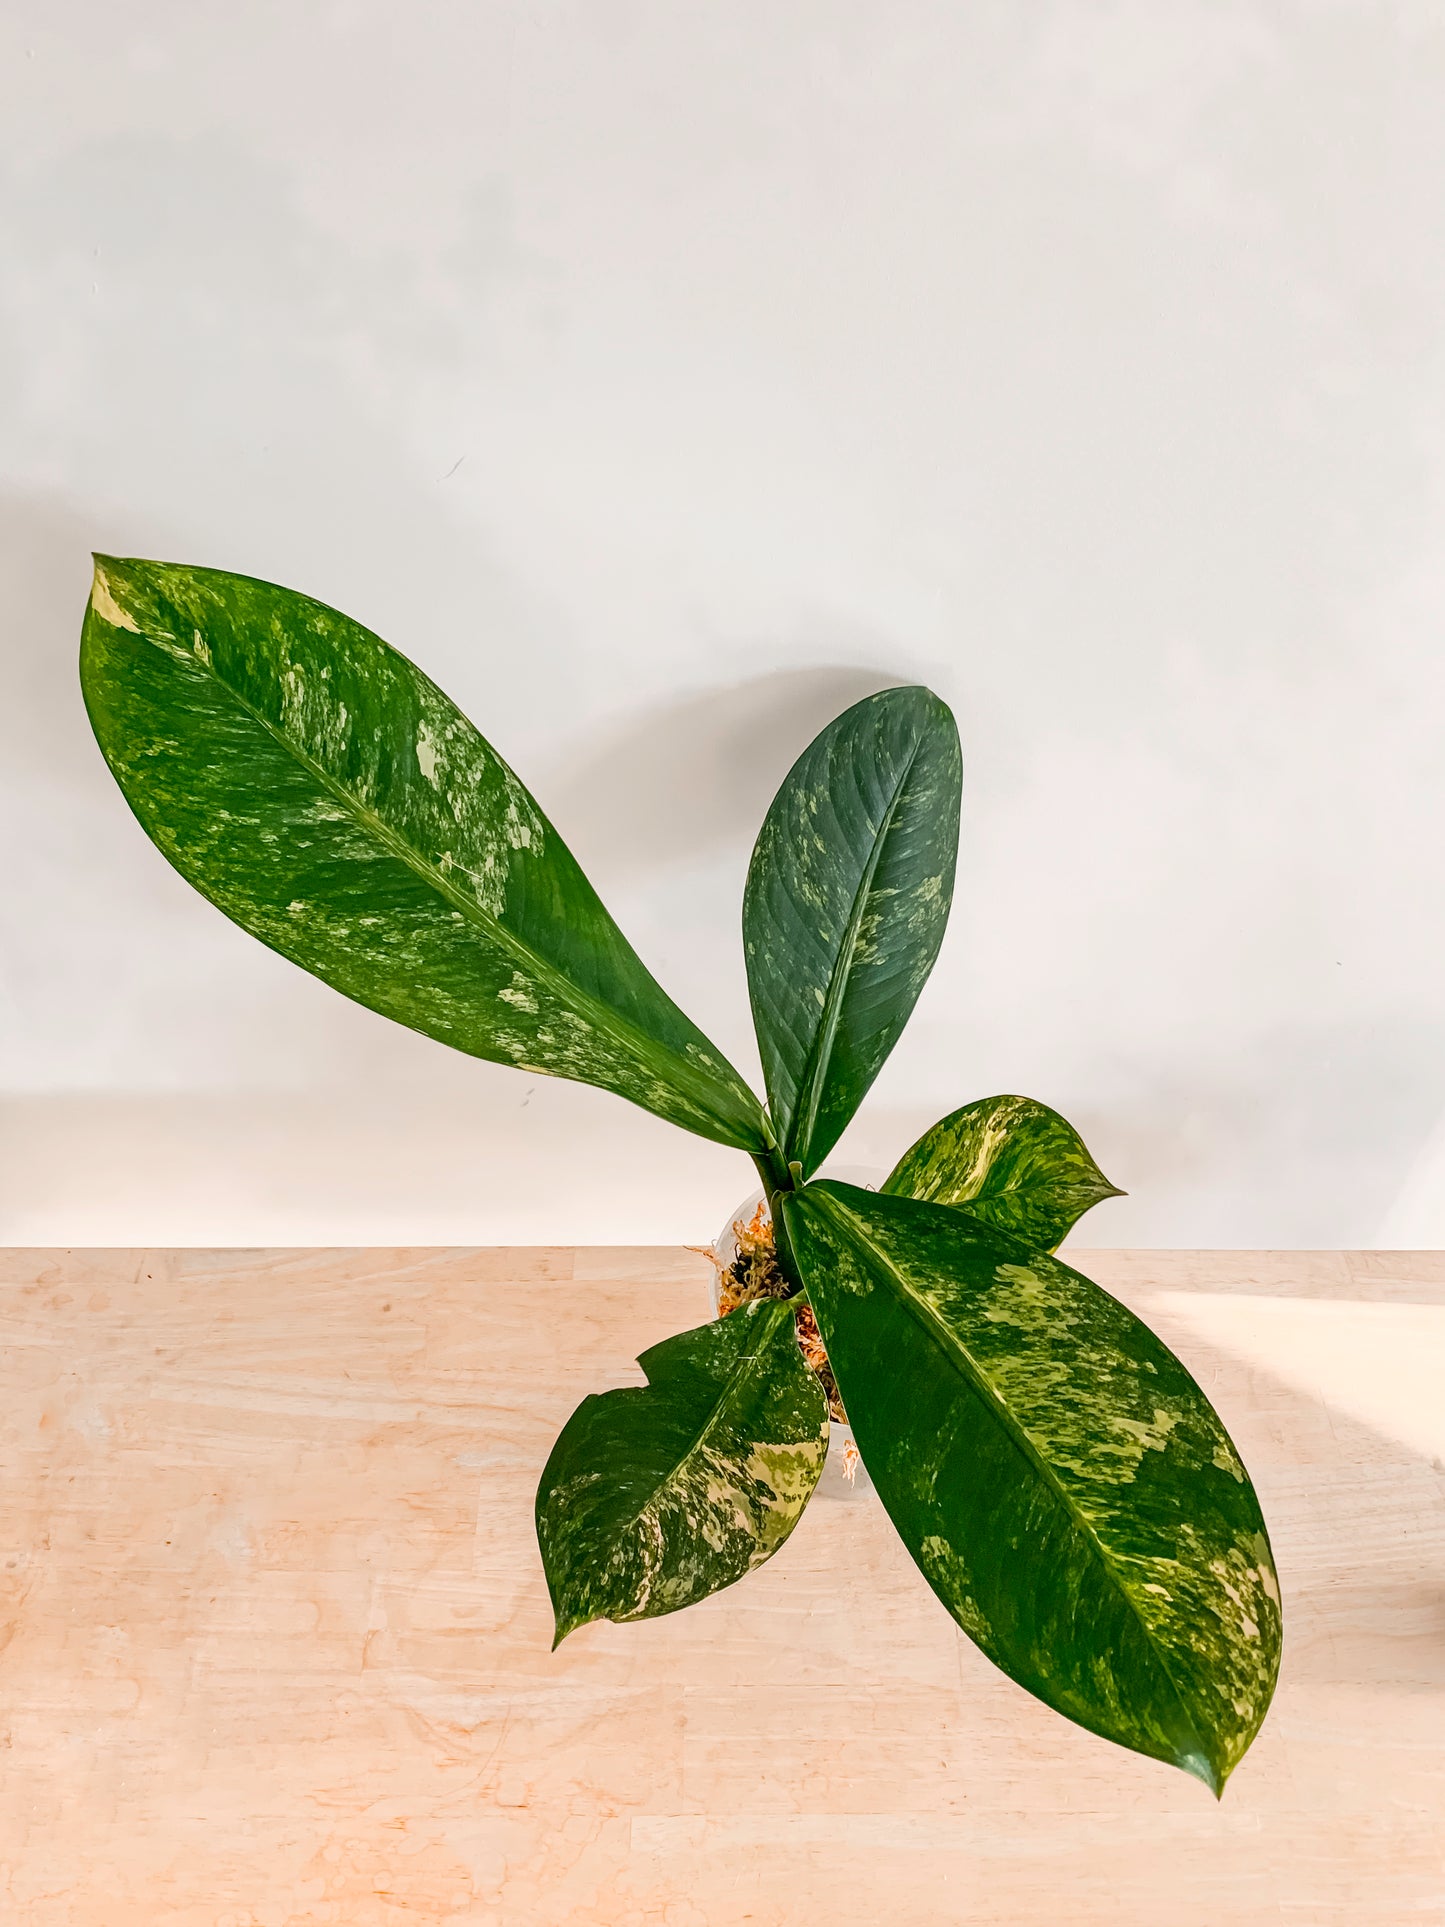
(754, 1273)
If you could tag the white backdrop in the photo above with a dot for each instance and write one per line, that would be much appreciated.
(662, 377)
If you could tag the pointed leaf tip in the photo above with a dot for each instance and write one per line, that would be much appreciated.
(1010, 1162)
(563, 1628)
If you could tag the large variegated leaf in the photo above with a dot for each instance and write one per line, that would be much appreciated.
(847, 896)
(1014, 1163)
(1064, 1485)
(656, 1496)
(325, 794)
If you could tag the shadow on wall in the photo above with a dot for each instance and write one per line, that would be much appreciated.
(687, 778)
(1415, 1217)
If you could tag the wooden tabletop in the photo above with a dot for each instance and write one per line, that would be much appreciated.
(276, 1637)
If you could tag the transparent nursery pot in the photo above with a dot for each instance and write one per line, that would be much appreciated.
(835, 1482)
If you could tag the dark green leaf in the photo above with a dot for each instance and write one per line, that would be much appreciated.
(1065, 1487)
(847, 896)
(319, 789)
(1015, 1164)
(655, 1497)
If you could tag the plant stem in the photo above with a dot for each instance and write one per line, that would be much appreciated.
(777, 1179)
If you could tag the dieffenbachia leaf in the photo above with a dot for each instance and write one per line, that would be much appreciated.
(847, 896)
(656, 1496)
(1064, 1485)
(327, 796)
(1015, 1164)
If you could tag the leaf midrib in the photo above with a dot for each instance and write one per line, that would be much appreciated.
(560, 986)
(1017, 1433)
(815, 1065)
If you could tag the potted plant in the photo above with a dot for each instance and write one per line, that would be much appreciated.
(1061, 1481)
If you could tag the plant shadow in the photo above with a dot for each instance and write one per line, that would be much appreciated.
(692, 776)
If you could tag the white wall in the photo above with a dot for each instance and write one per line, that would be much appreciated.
(661, 377)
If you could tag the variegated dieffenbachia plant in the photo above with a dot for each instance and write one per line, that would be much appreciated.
(1063, 1484)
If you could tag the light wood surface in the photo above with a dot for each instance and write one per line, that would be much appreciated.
(276, 1638)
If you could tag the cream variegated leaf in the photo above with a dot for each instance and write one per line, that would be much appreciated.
(1012, 1162)
(327, 796)
(657, 1495)
(1063, 1483)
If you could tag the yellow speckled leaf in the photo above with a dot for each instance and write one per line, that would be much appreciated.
(656, 1496)
(327, 796)
(1011, 1162)
(1066, 1488)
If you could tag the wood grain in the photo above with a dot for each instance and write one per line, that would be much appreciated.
(275, 1637)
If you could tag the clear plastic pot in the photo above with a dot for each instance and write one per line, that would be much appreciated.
(844, 1474)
